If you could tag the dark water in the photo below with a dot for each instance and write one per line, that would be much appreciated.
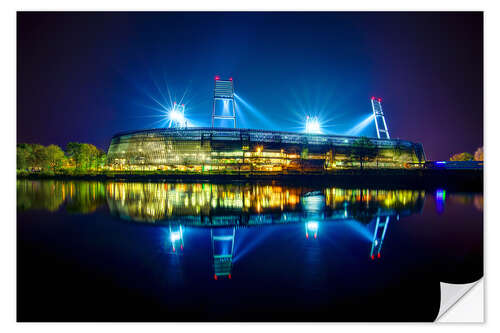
(121, 251)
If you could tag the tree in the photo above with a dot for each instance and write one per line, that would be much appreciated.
(102, 159)
(55, 157)
(40, 158)
(363, 150)
(85, 156)
(24, 156)
(462, 157)
(478, 155)
(73, 153)
(95, 156)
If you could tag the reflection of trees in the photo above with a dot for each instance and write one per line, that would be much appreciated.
(46, 194)
(467, 199)
(478, 202)
(364, 204)
(86, 197)
(79, 196)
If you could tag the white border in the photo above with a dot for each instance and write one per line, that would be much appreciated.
(8, 123)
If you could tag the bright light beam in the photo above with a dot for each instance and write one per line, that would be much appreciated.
(255, 112)
(313, 125)
(176, 116)
(358, 128)
(246, 242)
(240, 116)
(359, 228)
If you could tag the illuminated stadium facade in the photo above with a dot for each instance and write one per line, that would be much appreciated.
(230, 150)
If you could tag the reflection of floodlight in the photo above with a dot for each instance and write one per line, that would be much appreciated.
(312, 125)
(175, 236)
(312, 226)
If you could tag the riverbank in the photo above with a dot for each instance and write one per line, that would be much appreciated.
(457, 180)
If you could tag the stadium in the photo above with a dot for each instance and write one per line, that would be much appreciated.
(213, 150)
(244, 150)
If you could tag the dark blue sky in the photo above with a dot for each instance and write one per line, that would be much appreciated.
(85, 76)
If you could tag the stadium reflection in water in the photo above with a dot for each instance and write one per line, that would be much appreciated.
(224, 208)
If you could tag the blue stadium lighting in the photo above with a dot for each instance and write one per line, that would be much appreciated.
(254, 112)
(361, 126)
(360, 229)
(309, 99)
(241, 116)
(161, 100)
(312, 226)
(175, 236)
(247, 242)
(175, 115)
(312, 125)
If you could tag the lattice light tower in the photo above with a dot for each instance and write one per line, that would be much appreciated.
(224, 91)
(222, 250)
(379, 235)
(382, 131)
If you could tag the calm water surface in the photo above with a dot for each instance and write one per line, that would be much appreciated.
(125, 251)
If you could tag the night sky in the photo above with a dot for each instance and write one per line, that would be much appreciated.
(86, 76)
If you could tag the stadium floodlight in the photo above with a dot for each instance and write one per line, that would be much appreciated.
(176, 116)
(312, 125)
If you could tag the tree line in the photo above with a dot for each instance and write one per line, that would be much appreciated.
(478, 156)
(52, 159)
